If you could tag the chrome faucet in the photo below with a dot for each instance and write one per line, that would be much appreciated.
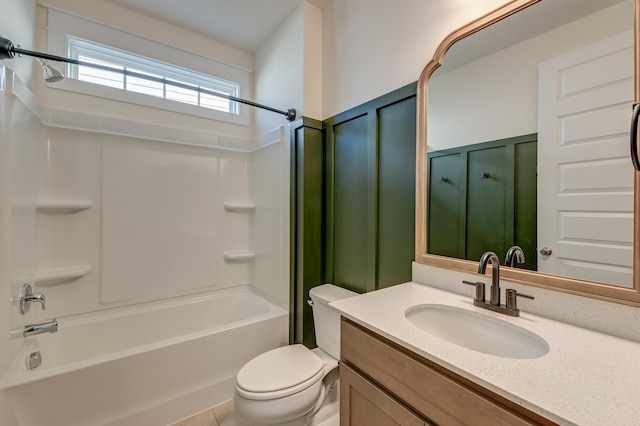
(494, 292)
(513, 254)
(43, 327)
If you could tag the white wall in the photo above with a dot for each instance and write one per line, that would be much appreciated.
(288, 74)
(313, 41)
(505, 104)
(269, 231)
(288, 68)
(19, 132)
(372, 47)
(279, 72)
(17, 23)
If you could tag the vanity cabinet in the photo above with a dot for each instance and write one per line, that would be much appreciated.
(369, 405)
(380, 381)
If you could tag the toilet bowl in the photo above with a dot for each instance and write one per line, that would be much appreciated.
(288, 385)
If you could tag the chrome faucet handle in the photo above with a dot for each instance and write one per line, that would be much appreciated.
(27, 296)
(512, 299)
(479, 296)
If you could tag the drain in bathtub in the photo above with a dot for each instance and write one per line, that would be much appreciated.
(33, 360)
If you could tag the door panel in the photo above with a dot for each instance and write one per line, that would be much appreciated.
(585, 199)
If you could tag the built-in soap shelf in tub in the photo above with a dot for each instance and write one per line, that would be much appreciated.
(234, 207)
(239, 256)
(62, 206)
(56, 276)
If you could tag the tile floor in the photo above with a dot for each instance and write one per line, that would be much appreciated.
(226, 415)
(220, 415)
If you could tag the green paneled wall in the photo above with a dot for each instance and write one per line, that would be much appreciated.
(352, 201)
(396, 192)
(370, 174)
(307, 224)
(482, 197)
(525, 201)
(350, 197)
(485, 202)
(446, 226)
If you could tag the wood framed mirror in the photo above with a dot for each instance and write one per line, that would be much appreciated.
(481, 128)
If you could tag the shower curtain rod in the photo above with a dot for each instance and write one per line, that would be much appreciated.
(8, 51)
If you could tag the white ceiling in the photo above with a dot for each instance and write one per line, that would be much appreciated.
(244, 24)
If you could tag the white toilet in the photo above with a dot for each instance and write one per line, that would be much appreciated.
(288, 385)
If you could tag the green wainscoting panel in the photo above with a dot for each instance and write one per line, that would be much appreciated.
(525, 201)
(370, 175)
(350, 209)
(447, 180)
(396, 192)
(307, 224)
(485, 202)
(352, 201)
(488, 201)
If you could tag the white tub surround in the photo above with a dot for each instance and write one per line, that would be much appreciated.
(105, 221)
(586, 378)
(122, 225)
(151, 365)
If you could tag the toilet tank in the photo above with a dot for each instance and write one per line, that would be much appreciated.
(326, 319)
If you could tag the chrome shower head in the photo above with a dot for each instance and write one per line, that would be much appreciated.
(50, 75)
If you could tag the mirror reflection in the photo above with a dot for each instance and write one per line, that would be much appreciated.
(528, 124)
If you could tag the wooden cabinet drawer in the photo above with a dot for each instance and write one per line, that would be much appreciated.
(430, 390)
(363, 404)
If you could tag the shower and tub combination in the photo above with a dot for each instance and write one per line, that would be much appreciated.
(148, 365)
(161, 261)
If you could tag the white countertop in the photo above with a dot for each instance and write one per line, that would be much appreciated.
(586, 378)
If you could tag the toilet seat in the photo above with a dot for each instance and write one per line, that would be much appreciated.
(279, 373)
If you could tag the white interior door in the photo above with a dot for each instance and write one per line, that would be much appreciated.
(585, 176)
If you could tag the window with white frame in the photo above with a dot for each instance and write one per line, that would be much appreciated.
(90, 52)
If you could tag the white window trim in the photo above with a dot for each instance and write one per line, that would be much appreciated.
(60, 25)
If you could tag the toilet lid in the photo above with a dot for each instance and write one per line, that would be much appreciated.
(279, 369)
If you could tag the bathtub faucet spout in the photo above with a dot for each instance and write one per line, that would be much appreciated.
(43, 327)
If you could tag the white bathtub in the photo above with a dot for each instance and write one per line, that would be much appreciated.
(148, 365)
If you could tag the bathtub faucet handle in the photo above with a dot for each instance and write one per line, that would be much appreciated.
(27, 296)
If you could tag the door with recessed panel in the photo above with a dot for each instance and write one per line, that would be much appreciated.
(585, 178)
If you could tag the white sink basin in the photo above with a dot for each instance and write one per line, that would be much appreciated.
(477, 332)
